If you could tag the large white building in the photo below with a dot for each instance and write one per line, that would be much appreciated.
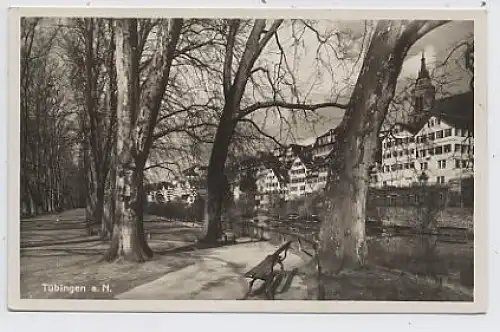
(436, 145)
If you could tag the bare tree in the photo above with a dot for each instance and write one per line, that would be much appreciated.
(47, 124)
(137, 114)
(245, 42)
(89, 52)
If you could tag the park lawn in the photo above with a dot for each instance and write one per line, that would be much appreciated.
(88, 271)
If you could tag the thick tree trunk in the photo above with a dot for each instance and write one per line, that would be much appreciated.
(128, 241)
(342, 234)
(216, 176)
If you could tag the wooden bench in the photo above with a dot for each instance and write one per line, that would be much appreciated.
(265, 271)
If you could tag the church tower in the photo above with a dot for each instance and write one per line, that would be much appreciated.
(425, 93)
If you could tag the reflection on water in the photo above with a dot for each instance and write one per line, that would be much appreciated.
(427, 255)
(449, 255)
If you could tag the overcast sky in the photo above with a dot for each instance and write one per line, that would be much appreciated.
(435, 45)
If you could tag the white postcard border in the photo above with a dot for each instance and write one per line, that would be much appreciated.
(479, 305)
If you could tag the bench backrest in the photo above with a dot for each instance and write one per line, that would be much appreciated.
(282, 248)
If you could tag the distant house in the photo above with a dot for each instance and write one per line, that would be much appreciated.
(271, 181)
(169, 191)
(324, 144)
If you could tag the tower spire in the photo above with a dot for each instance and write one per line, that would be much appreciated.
(423, 73)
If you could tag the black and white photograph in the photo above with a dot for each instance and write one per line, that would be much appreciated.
(247, 157)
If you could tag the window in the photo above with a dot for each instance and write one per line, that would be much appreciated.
(431, 136)
(440, 180)
(464, 164)
(465, 149)
(431, 152)
(439, 150)
(447, 148)
(438, 121)
(412, 164)
(412, 151)
(441, 164)
(458, 163)
(419, 139)
(423, 166)
(401, 153)
(384, 145)
(439, 134)
(423, 153)
(431, 123)
(464, 133)
(399, 141)
(458, 132)
(457, 148)
(412, 139)
(406, 152)
(400, 166)
(447, 132)
(407, 165)
(394, 153)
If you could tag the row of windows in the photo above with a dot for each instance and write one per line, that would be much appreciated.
(399, 141)
(400, 153)
(441, 164)
(447, 148)
(427, 137)
(317, 180)
(299, 188)
(397, 167)
(297, 171)
(439, 180)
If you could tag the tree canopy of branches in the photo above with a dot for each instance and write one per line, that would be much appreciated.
(48, 135)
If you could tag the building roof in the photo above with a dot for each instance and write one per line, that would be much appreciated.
(456, 110)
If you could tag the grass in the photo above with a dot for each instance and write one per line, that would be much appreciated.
(86, 270)
(80, 264)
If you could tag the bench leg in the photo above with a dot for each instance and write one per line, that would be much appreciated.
(271, 288)
(249, 289)
(270, 294)
(281, 265)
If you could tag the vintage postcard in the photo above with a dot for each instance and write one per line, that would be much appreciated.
(247, 160)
